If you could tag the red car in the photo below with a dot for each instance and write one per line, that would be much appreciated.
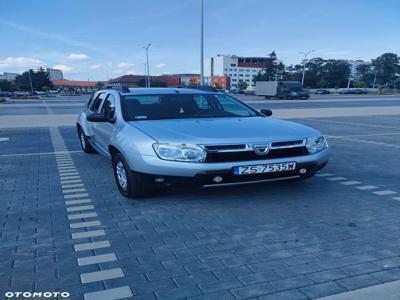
(250, 93)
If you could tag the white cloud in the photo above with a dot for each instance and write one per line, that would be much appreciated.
(78, 56)
(160, 65)
(63, 68)
(19, 62)
(95, 67)
(124, 65)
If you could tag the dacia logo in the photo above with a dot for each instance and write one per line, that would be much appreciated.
(261, 149)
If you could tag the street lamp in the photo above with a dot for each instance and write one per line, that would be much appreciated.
(201, 46)
(30, 79)
(147, 62)
(304, 64)
(145, 73)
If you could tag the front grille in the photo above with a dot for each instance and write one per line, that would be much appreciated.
(286, 143)
(250, 155)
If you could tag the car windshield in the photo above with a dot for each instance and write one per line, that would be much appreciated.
(183, 106)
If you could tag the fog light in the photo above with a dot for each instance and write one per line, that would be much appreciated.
(159, 179)
(303, 171)
(217, 179)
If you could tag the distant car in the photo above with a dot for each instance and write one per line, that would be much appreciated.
(322, 92)
(234, 91)
(345, 91)
(359, 91)
(250, 93)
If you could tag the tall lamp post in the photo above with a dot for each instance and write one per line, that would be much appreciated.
(304, 64)
(145, 73)
(147, 62)
(30, 79)
(201, 46)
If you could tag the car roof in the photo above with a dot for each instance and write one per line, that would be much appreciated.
(156, 91)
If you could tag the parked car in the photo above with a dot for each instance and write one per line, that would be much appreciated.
(359, 91)
(250, 92)
(322, 92)
(167, 136)
(345, 91)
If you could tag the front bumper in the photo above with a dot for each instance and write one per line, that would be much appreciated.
(154, 169)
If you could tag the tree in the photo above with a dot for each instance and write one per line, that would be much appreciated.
(243, 85)
(272, 67)
(386, 66)
(157, 83)
(39, 80)
(6, 85)
(99, 85)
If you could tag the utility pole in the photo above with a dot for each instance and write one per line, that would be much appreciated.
(147, 62)
(30, 80)
(304, 64)
(145, 73)
(201, 46)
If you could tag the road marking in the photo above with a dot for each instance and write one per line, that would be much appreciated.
(351, 182)
(96, 259)
(68, 186)
(66, 169)
(37, 153)
(5, 139)
(84, 224)
(352, 123)
(102, 275)
(396, 198)
(70, 181)
(92, 245)
(87, 234)
(384, 193)
(83, 216)
(110, 294)
(366, 141)
(70, 202)
(80, 208)
(69, 191)
(73, 196)
(68, 173)
(366, 135)
(336, 178)
(70, 177)
(366, 187)
(323, 174)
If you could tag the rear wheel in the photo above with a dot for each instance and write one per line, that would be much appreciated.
(86, 147)
(130, 184)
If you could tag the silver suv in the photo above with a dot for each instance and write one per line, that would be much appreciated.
(175, 136)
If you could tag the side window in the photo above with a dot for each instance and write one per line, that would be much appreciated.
(90, 101)
(108, 107)
(97, 102)
(202, 102)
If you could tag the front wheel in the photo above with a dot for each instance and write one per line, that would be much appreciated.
(130, 184)
(86, 147)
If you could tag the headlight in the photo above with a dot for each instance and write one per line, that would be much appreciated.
(316, 144)
(189, 153)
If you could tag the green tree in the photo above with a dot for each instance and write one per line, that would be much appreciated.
(271, 70)
(39, 79)
(99, 85)
(6, 85)
(386, 66)
(157, 83)
(243, 85)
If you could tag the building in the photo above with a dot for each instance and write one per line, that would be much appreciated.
(8, 76)
(139, 80)
(74, 85)
(237, 68)
(53, 74)
(219, 82)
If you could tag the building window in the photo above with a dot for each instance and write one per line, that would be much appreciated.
(235, 70)
(247, 75)
(234, 79)
(240, 75)
(248, 70)
(233, 65)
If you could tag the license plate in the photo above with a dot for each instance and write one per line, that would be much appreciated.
(261, 169)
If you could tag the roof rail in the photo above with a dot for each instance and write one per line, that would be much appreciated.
(198, 87)
(123, 89)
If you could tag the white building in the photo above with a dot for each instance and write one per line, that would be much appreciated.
(54, 74)
(238, 68)
(8, 76)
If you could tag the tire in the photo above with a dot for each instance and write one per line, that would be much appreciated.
(129, 183)
(86, 147)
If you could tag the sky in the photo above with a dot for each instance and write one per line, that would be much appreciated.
(99, 40)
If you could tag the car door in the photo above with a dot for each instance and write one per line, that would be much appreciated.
(95, 107)
(104, 130)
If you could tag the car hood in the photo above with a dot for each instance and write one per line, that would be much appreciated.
(223, 130)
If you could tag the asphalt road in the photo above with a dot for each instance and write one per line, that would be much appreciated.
(64, 226)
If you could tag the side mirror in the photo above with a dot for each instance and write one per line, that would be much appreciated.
(266, 112)
(96, 117)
